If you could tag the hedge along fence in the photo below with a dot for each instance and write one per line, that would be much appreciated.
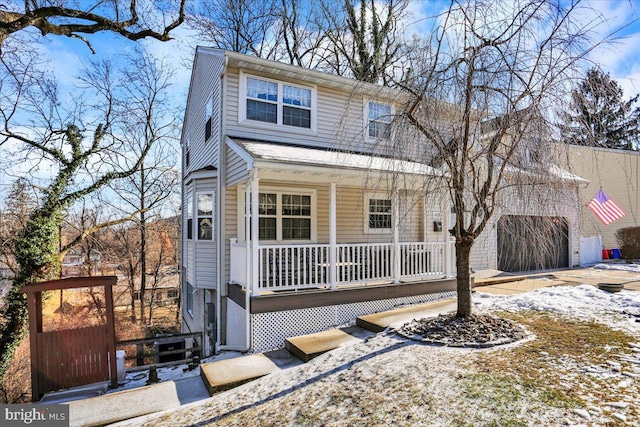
(629, 241)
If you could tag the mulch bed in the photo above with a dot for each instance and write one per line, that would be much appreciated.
(475, 331)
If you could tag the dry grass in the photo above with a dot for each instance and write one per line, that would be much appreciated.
(553, 368)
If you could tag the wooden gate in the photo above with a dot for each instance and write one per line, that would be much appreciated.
(71, 357)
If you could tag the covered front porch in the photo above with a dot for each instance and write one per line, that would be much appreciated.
(396, 236)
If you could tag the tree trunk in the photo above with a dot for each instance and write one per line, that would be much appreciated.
(463, 263)
(143, 244)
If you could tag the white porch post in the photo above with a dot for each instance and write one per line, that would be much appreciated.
(396, 235)
(247, 238)
(333, 250)
(255, 188)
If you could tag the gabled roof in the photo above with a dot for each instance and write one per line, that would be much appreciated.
(261, 153)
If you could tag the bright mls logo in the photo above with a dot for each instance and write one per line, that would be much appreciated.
(34, 415)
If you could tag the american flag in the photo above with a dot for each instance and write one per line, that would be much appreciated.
(604, 208)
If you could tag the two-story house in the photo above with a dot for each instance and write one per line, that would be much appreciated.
(301, 209)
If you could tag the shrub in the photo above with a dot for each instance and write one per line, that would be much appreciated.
(629, 241)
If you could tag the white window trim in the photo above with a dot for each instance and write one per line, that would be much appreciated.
(366, 119)
(242, 106)
(381, 196)
(189, 212)
(279, 191)
(196, 217)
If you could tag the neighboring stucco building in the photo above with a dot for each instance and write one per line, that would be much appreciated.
(616, 171)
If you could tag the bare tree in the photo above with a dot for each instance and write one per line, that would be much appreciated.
(243, 26)
(489, 58)
(366, 41)
(150, 121)
(161, 257)
(135, 20)
(126, 244)
(80, 140)
(302, 36)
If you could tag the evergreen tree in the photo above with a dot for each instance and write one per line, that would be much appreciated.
(599, 116)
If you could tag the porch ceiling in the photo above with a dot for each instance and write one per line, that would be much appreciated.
(324, 163)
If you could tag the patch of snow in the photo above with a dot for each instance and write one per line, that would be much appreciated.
(583, 302)
(634, 268)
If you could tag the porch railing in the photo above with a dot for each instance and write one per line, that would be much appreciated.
(288, 267)
(292, 267)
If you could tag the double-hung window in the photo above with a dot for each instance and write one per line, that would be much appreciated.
(296, 106)
(378, 214)
(379, 120)
(208, 113)
(286, 215)
(262, 100)
(278, 103)
(296, 217)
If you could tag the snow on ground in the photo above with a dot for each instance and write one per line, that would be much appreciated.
(387, 380)
(585, 302)
(634, 268)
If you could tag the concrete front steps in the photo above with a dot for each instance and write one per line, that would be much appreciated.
(306, 347)
(229, 373)
(226, 374)
(378, 322)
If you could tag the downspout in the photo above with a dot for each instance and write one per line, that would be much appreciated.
(222, 168)
(247, 254)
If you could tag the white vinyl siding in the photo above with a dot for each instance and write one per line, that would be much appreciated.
(203, 111)
(201, 255)
(236, 168)
(338, 118)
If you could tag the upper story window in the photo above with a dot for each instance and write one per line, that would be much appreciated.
(262, 100)
(208, 113)
(379, 120)
(296, 108)
(277, 103)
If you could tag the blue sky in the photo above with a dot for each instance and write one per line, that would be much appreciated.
(620, 57)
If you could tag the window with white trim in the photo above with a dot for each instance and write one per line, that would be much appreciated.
(378, 214)
(286, 215)
(205, 216)
(208, 114)
(379, 120)
(278, 103)
(189, 213)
